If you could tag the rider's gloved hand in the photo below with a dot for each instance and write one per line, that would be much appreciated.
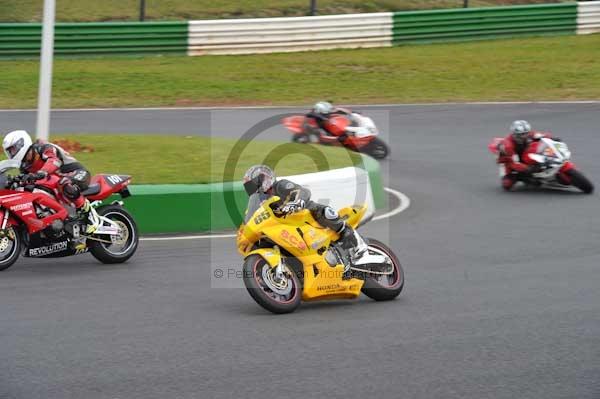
(32, 177)
(28, 178)
(292, 207)
(501, 150)
(341, 138)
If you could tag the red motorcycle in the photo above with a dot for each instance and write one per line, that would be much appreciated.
(361, 133)
(36, 223)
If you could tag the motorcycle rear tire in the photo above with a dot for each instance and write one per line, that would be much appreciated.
(580, 181)
(376, 290)
(97, 248)
(301, 138)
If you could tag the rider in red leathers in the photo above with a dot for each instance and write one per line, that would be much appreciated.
(40, 159)
(514, 150)
(322, 112)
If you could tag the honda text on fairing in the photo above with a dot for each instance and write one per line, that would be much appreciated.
(292, 258)
(550, 162)
(357, 132)
(34, 223)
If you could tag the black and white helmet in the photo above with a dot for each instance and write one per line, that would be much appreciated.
(520, 130)
(259, 178)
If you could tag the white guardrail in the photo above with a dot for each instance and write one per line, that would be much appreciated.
(588, 17)
(270, 35)
(339, 188)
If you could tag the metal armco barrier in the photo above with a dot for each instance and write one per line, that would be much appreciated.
(588, 17)
(102, 38)
(269, 35)
(484, 23)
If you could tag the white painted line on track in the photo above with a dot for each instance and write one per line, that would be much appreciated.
(266, 107)
(198, 237)
(403, 204)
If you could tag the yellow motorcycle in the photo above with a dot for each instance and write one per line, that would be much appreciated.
(289, 258)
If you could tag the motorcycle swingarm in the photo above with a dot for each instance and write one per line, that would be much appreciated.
(112, 229)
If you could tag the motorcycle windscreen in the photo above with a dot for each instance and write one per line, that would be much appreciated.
(254, 202)
(553, 150)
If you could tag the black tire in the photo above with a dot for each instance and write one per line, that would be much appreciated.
(378, 288)
(10, 254)
(301, 138)
(580, 181)
(260, 291)
(377, 149)
(102, 251)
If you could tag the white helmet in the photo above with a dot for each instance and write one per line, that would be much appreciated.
(520, 130)
(16, 144)
(323, 108)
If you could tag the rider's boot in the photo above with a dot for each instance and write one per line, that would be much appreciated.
(88, 215)
(509, 181)
(359, 250)
(351, 240)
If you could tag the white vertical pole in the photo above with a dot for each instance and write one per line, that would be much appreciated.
(45, 89)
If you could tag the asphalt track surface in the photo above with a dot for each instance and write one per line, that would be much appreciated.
(501, 298)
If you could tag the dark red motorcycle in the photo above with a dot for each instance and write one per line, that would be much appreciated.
(362, 134)
(36, 223)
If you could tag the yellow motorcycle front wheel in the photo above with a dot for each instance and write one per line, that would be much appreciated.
(277, 294)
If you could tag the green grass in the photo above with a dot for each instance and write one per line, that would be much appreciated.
(553, 68)
(122, 10)
(154, 159)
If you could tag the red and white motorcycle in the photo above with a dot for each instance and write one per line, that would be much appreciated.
(362, 133)
(555, 168)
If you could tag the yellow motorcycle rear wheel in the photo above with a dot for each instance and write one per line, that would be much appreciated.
(384, 287)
